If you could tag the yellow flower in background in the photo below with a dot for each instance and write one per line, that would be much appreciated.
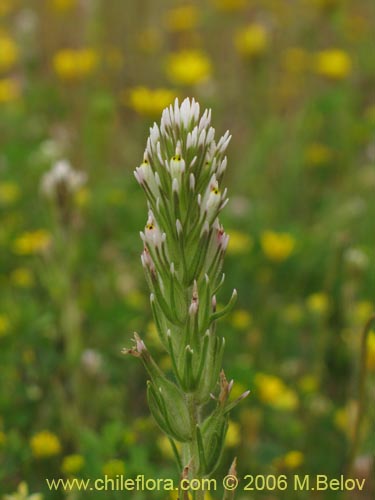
(45, 444)
(252, 41)
(288, 400)
(277, 247)
(32, 242)
(344, 418)
(293, 459)
(136, 299)
(340, 419)
(188, 67)
(238, 390)
(129, 437)
(239, 243)
(175, 495)
(22, 277)
(183, 18)
(114, 467)
(318, 303)
(295, 60)
(2, 438)
(8, 52)
(148, 102)
(4, 325)
(233, 437)
(75, 64)
(271, 390)
(165, 447)
(9, 192)
(230, 5)
(334, 64)
(371, 351)
(241, 319)
(9, 90)
(63, 5)
(318, 154)
(72, 464)
(82, 197)
(362, 311)
(308, 384)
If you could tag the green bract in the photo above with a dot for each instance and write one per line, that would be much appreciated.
(184, 247)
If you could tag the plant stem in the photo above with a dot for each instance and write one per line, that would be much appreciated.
(361, 396)
(194, 411)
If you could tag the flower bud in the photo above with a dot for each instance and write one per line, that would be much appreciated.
(152, 234)
(211, 200)
(147, 261)
(146, 177)
(177, 166)
(193, 309)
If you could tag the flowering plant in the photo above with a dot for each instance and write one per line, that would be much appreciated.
(184, 247)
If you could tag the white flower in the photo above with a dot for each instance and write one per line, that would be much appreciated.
(91, 361)
(147, 261)
(222, 239)
(219, 241)
(152, 234)
(177, 164)
(180, 116)
(62, 178)
(356, 259)
(213, 200)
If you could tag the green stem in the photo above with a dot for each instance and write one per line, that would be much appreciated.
(70, 325)
(361, 396)
(194, 411)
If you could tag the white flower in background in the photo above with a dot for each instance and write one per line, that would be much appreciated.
(49, 151)
(91, 361)
(62, 179)
(356, 259)
(26, 22)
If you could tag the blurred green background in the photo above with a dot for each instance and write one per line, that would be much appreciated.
(83, 80)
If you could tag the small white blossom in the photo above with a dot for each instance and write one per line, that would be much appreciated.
(62, 177)
(152, 234)
(146, 177)
(177, 166)
(91, 361)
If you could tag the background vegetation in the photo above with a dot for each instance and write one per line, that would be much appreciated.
(83, 80)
